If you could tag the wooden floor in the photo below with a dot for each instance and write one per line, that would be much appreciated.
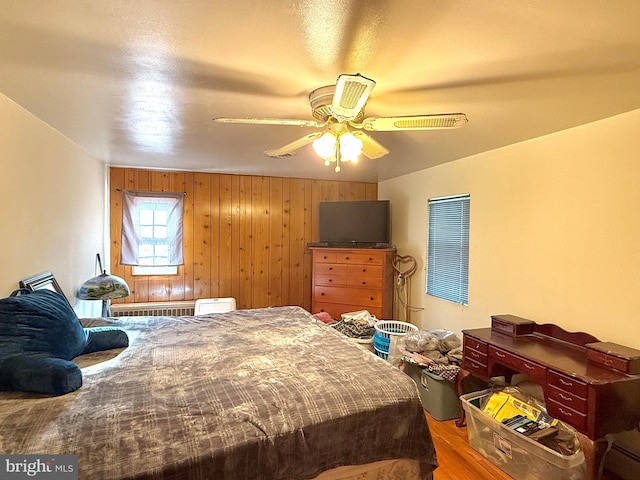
(458, 461)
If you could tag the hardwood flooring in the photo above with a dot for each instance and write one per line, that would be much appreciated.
(458, 461)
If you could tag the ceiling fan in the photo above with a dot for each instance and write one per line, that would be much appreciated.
(339, 111)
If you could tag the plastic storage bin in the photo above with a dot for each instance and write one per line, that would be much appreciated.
(512, 452)
(438, 394)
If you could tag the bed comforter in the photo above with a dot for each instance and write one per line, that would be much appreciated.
(249, 394)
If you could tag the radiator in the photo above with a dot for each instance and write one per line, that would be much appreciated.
(153, 309)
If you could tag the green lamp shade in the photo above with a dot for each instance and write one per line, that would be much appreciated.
(103, 287)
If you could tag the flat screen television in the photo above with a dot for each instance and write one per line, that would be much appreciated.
(364, 223)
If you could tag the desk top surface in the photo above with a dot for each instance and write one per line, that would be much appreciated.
(552, 353)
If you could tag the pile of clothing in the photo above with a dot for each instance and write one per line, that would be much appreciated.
(358, 324)
(438, 351)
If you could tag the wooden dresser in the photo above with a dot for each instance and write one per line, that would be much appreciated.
(351, 279)
(591, 385)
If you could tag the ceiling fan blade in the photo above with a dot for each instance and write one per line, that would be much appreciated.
(351, 95)
(290, 148)
(271, 121)
(370, 148)
(414, 122)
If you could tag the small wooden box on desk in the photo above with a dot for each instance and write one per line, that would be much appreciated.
(352, 279)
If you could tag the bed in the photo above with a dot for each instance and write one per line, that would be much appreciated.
(250, 394)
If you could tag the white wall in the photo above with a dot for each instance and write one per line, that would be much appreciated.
(554, 232)
(51, 203)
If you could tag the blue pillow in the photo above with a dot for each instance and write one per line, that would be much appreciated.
(39, 336)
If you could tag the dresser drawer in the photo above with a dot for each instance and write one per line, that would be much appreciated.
(364, 276)
(330, 274)
(475, 344)
(566, 414)
(518, 363)
(568, 384)
(324, 257)
(568, 399)
(348, 295)
(360, 258)
(337, 309)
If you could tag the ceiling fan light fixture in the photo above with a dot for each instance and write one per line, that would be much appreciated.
(325, 146)
(350, 147)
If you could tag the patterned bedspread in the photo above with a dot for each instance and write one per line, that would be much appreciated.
(249, 394)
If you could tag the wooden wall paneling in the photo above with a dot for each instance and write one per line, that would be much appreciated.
(245, 236)
(201, 235)
(260, 221)
(297, 242)
(235, 238)
(214, 222)
(306, 253)
(244, 239)
(116, 182)
(286, 242)
(225, 264)
(188, 225)
(275, 242)
(371, 191)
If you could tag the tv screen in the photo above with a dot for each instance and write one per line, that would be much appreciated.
(357, 223)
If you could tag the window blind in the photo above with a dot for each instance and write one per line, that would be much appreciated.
(448, 248)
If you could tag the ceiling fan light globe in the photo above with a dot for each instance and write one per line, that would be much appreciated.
(350, 147)
(325, 145)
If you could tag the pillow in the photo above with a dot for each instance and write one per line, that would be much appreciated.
(39, 336)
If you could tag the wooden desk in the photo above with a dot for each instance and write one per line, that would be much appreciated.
(591, 385)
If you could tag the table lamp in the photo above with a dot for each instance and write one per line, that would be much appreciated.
(103, 287)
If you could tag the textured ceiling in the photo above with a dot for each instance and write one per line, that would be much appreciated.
(136, 83)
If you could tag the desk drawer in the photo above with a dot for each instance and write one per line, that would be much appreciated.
(570, 400)
(568, 384)
(475, 355)
(475, 367)
(475, 344)
(566, 414)
(518, 363)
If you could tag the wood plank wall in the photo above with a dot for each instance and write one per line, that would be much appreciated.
(244, 236)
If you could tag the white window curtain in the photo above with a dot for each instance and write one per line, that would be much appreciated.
(152, 228)
(448, 250)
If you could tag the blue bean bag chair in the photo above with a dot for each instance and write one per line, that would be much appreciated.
(39, 336)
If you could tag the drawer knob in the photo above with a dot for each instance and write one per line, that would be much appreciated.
(565, 383)
(564, 397)
(500, 355)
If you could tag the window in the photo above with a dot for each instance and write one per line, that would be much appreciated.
(152, 231)
(448, 248)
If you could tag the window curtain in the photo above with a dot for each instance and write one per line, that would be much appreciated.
(133, 203)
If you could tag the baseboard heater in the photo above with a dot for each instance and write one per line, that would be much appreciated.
(153, 309)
